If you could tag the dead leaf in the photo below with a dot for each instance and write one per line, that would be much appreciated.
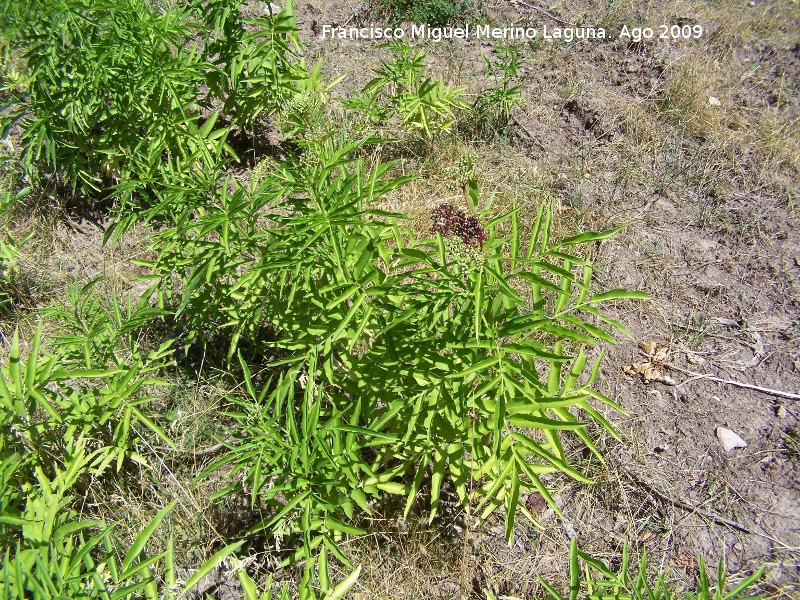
(657, 350)
(652, 369)
(686, 561)
(646, 535)
(648, 347)
(535, 503)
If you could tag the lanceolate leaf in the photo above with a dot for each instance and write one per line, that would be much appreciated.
(388, 357)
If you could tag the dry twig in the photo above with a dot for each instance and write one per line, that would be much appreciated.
(683, 505)
(758, 388)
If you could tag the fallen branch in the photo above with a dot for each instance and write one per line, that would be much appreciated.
(758, 388)
(683, 505)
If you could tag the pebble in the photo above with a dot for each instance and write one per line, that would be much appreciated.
(729, 439)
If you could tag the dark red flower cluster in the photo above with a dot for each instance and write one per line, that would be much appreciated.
(452, 222)
(471, 229)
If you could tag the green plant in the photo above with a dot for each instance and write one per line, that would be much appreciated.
(50, 557)
(435, 13)
(9, 248)
(459, 355)
(601, 583)
(253, 58)
(492, 108)
(111, 83)
(402, 357)
(306, 591)
(422, 103)
(85, 388)
(101, 76)
(47, 554)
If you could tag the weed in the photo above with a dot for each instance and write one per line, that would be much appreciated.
(410, 317)
(435, 13)
(112, 84)
(491, 111)
(401, 89)
(600, 582)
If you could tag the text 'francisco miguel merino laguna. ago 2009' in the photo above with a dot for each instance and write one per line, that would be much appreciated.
(465, 32)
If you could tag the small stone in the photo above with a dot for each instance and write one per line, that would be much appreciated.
(714, 101)
(729, 439)
(781, 412)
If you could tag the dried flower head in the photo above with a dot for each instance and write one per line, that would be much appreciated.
(453, 222)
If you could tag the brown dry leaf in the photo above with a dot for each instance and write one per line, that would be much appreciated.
(535, 503)
(652, 369)
(648, 347)
(636, 368)
(653, 372)
(686, 561)
(646, 535)
(657, 350)
(648, 370)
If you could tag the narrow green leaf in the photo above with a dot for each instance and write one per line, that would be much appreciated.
(574, 570)
(143, 537)
(436, 482)
(340, 590)
(481, 366)
(324, 578)
(618, 294)
(511, 505)
(210, 565)
(336, 525)
(589, 236)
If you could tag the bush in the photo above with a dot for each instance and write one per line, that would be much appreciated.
(400, 89)
(404, 356)
(435, 13)
(113, 82)
(90, 386)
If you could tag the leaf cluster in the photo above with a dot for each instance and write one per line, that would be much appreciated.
(491, 110)
(592, 579)
(422, 104)
(92, 382)
(400, 359)
(435, 13)
(113, 85)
